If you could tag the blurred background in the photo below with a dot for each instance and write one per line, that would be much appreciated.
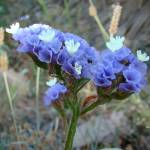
(120, 124)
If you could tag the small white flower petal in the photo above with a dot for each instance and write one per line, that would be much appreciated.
(72, 46)
(13, 28)
(51, 82)
(142, 56)
(115, 43)
(78, 68)
(47, 35)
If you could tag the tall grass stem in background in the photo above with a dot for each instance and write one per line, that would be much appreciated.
(37, 98)
(114, 24)
(93, 13)
(44, 8)
(10, 100)
(101, 27)
(67, 12)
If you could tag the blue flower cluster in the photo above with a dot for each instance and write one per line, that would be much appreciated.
(122, 70)
(41, 40)
(115, 68)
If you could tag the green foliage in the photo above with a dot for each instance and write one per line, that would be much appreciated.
(3, 11)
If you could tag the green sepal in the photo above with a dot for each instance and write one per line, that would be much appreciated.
(118, 95)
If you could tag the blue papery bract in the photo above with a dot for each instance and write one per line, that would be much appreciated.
(129, 87)
(53, 93)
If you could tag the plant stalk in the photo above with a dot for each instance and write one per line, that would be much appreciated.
(94, 105)
(10, 100)
(102, 29)
(37, 99)
(72, 130)
(100, 25)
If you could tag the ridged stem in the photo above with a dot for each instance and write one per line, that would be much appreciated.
(72, 130)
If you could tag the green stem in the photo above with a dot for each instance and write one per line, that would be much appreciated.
(100, 25)
(37, 99)
(102, 29)
(94, 105)
(10, 101)
(72, 130)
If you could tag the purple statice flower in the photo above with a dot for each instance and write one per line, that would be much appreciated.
(76, 56)
(53, 93)
(122, 53)
(100, 79)
(134, 74)
(28, 37)
(83, 64)
(104, 75)
(90, 61)
(107, 70)
(109, 61)
(41, 40)
(74, 46)
(73, 67)
(134, 80)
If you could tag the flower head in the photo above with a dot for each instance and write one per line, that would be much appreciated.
(115, 43)
(72, 46)
(13, 28)
(116, 68)
(142, 57)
